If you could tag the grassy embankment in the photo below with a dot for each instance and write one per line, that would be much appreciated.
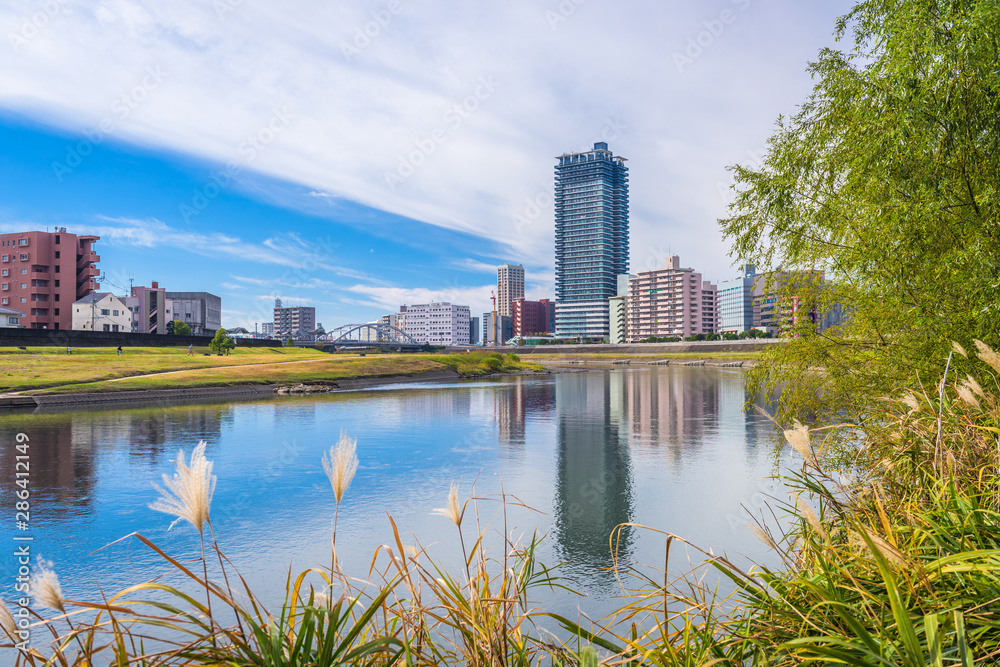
(51, 370)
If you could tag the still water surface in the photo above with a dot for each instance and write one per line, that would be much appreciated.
(668, 447)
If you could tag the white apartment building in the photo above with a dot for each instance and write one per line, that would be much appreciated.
(510, 287)
(101, 311)
(672, 301)
(435, 323)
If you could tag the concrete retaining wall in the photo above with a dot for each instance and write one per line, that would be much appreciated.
(49, 338)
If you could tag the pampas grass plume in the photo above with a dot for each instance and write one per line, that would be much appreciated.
(188, 494)
(7, 622)
(810, 516)
(341, 464)
(971, 383)
(965, 393)
(761, 535)
(987, 354)
(798, 438)
(452, 512)
(958, 348)
(45, 587)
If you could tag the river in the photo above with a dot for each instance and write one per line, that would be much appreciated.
(668, 447)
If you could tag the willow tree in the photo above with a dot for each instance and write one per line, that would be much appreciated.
(887, 180)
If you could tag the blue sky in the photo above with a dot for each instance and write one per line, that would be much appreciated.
(360, 155)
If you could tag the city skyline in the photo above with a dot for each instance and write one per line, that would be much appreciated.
(320, 201)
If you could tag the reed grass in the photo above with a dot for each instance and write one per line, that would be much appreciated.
(895, 561)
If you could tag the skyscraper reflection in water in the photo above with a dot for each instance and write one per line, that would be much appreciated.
(594, 476)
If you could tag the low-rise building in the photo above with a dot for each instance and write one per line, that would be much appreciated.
(435, 323)
(101, 311)
(10, 318)
(201, 311)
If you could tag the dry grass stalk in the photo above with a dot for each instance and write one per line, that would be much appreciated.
(45, 587)
(341, 464)
(987, 354)
(910, 401)
(798, 438)
(188, 494)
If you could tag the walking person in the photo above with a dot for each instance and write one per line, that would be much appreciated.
(119, 350)
(191, 350)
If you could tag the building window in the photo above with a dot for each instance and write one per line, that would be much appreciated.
(6, 272)
(6, 258)
(57, 238)
(24, 258)
(24, 299)
(107, 327)
(4, 286)
(57, 282)
(22, 242)
(57, 254)
(24, 285)
(57, 297)
(105, 311)
(57, 312)
(24, 272)
(4, 300)
(57, 269)
(114, 312)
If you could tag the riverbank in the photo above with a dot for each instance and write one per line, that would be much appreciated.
(40, 375)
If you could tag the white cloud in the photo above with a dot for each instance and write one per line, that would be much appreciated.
(390, 298)
(535, 79)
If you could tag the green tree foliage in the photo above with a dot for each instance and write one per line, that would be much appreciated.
(221, 342)
(180, 328)
(887, 179)
(289, 342)
(170, 328)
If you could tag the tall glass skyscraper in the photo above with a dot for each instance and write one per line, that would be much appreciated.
(591, 202)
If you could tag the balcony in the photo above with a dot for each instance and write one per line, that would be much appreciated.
(89, 257)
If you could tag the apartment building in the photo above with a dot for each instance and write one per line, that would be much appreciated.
(510, 287)
(591, 238)
(672, 301)
(436, 323)
(294, 321)
(148, 306)
(43, 273)
(101, 311)
(533, 317)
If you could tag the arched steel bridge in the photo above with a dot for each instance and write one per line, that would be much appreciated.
(371, 334)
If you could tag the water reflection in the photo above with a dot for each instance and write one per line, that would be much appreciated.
(667, 447)
(594, 484)
(65, 447)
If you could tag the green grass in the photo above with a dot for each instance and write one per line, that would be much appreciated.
(52, 371)
(41, 367)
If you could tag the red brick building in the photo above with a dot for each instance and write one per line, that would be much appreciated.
(534, 317)
(43, 273)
